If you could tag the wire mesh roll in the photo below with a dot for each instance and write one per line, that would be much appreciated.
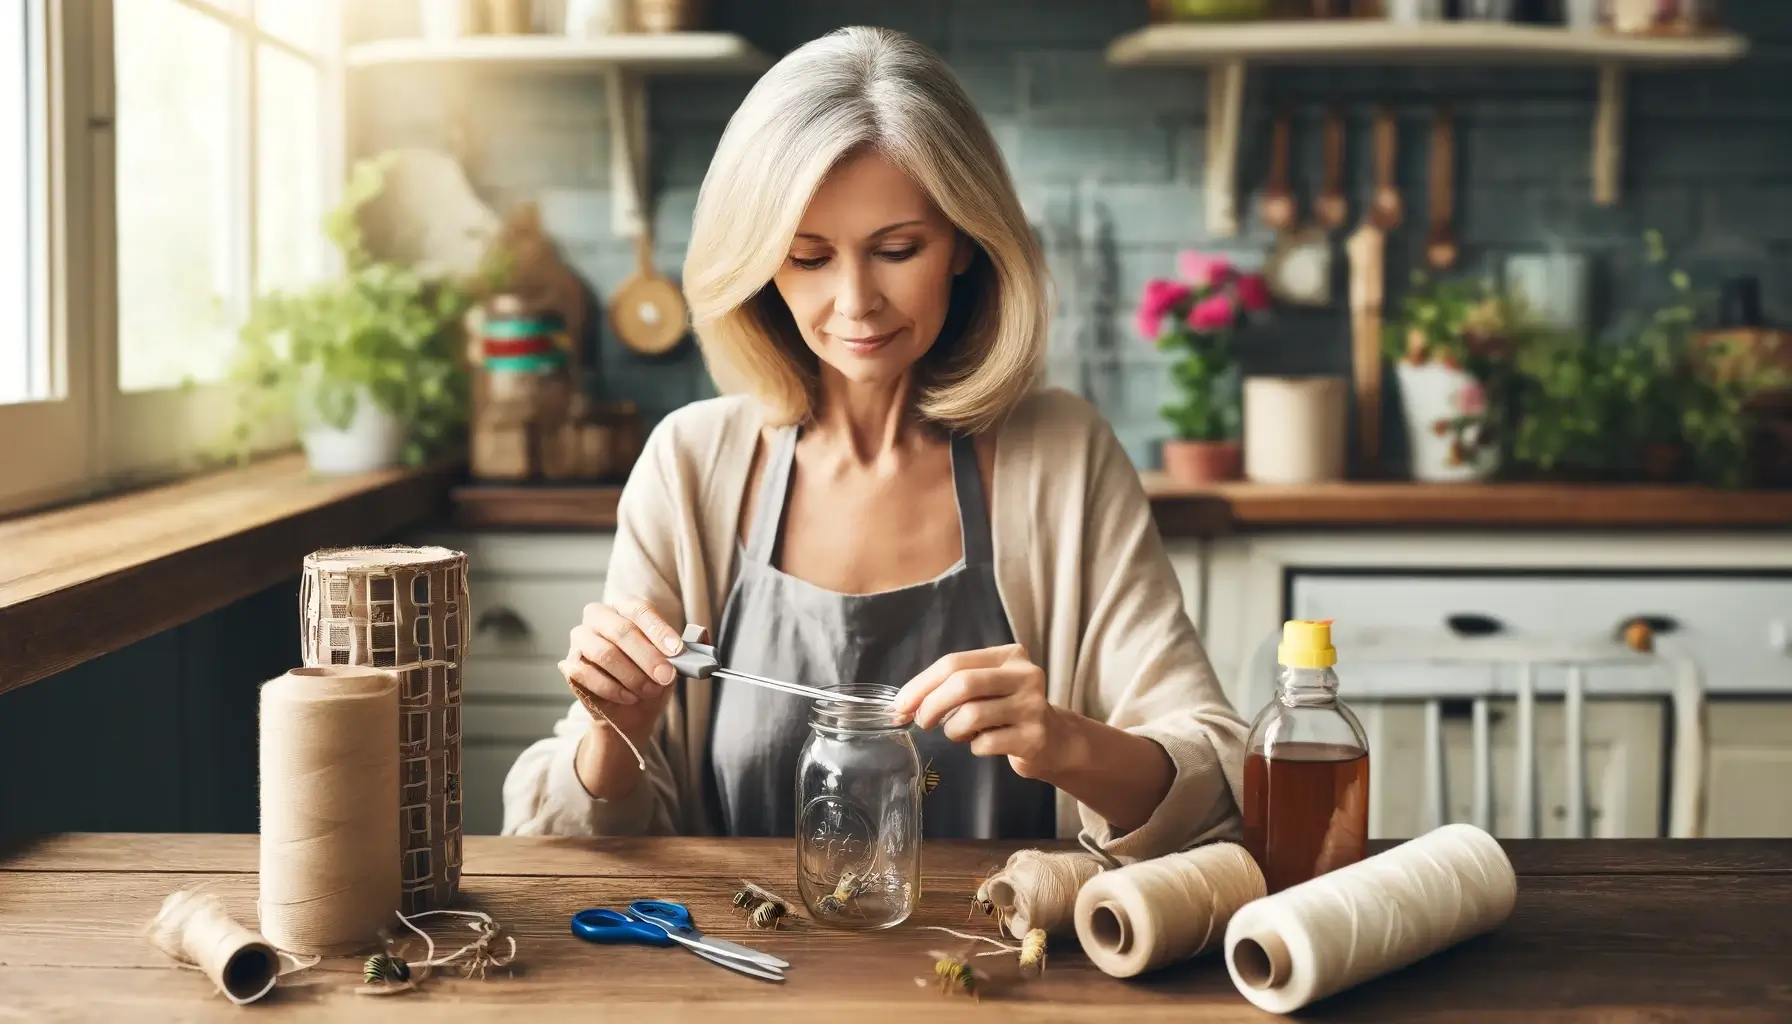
(404, 609)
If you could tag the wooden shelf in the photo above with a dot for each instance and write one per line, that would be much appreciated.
(1230, 47)
(623, 60)
(673, 52)
(1382, 43)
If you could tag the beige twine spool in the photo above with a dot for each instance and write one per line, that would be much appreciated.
(1036, 889)
(1370, 918)
(1158, 912)
(195, 930)
(330, 870)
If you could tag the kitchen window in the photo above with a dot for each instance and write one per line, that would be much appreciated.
(161, 163)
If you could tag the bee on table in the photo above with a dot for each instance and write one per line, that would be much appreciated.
(1032, 953)
(384, 967)
(835, 902)
(764, 907)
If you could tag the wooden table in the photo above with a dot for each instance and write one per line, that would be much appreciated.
(1695, 930)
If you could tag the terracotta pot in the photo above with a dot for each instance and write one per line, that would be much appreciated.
(1202, 462)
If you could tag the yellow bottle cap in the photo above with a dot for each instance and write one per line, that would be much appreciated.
(1307, 644)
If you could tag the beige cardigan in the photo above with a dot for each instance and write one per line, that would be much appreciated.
(1083, 575)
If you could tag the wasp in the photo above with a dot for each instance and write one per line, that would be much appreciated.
(835, 902)
(930, 779)
(384, 967)
(981, 901)
(1032, 953)
(764, 907)
(954, 974)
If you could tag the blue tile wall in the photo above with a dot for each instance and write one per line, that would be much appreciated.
(1109, 163)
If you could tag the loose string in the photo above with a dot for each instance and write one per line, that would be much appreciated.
(591, 705)
(479, 949)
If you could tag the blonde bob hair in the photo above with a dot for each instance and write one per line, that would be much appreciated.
(854, 89)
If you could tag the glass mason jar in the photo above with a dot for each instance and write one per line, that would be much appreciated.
(1306, 767)
(858, 828)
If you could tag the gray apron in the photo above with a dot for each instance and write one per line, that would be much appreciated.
(780, 626)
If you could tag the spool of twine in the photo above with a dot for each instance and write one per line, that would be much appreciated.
(330, 871)
(195, 929)
(1158, 912)
(1370, 918)
(1036, 889)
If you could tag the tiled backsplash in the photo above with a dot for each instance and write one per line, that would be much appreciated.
(1109, 162)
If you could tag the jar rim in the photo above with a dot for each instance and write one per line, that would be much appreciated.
(854, 717)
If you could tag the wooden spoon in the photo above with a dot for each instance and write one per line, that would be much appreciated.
(1331, 208)
(647, 311)
(1440, 249)
(1385, 209)
(1278, 199)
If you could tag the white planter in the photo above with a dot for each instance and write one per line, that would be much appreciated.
(373, 440)
(443, 19)
(1444, 449)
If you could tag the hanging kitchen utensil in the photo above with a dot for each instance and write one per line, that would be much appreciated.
(1331, 208)
(1278, 199)
(1367, 249)
(1440, 248)
(647, 310)
(1299, 271)
(1385, 208)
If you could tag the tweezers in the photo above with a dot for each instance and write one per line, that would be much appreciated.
(699, 662)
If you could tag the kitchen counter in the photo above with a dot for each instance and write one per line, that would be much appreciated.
(1662, 929)
(1239, 507)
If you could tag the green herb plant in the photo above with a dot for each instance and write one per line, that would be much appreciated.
(378, 328)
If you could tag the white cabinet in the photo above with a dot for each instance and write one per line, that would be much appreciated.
(1750, 767)
(527, 592)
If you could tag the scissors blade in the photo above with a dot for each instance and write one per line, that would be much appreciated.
(744, 967)
(740, 952)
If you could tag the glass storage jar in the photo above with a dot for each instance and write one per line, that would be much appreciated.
(858, 828)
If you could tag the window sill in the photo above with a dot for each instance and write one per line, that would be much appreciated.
(88, 579)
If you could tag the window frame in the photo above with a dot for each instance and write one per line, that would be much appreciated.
(90, 436)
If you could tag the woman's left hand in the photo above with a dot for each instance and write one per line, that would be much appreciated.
(993, 699)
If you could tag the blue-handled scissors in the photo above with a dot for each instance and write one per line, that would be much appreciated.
(662, 923)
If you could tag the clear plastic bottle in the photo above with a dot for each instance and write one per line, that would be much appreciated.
(1306, 767)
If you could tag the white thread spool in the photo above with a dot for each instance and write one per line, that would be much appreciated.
(1157, 912)
(1371, 918)
(330, 871)
(1294, 429)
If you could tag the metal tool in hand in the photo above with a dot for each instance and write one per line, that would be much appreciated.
(699, 662)
(662, 923)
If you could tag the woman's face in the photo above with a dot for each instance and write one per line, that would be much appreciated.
(869, 274)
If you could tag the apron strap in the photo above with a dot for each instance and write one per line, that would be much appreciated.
(774, 490)
(973, 514)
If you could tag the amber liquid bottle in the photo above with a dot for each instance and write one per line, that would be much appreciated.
(1306, 768)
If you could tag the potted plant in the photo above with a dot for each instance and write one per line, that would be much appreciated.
(1453, 343)
(1649, 402)
(368, 362)
(1196, 318)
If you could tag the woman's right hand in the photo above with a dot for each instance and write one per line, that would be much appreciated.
(618, 655)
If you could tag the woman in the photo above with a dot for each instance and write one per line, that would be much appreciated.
(884, 496)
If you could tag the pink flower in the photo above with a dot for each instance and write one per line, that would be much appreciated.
(1471, 399)
(1202, 270)
(1253, 293)
(1156, 300)
(1211, 314)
